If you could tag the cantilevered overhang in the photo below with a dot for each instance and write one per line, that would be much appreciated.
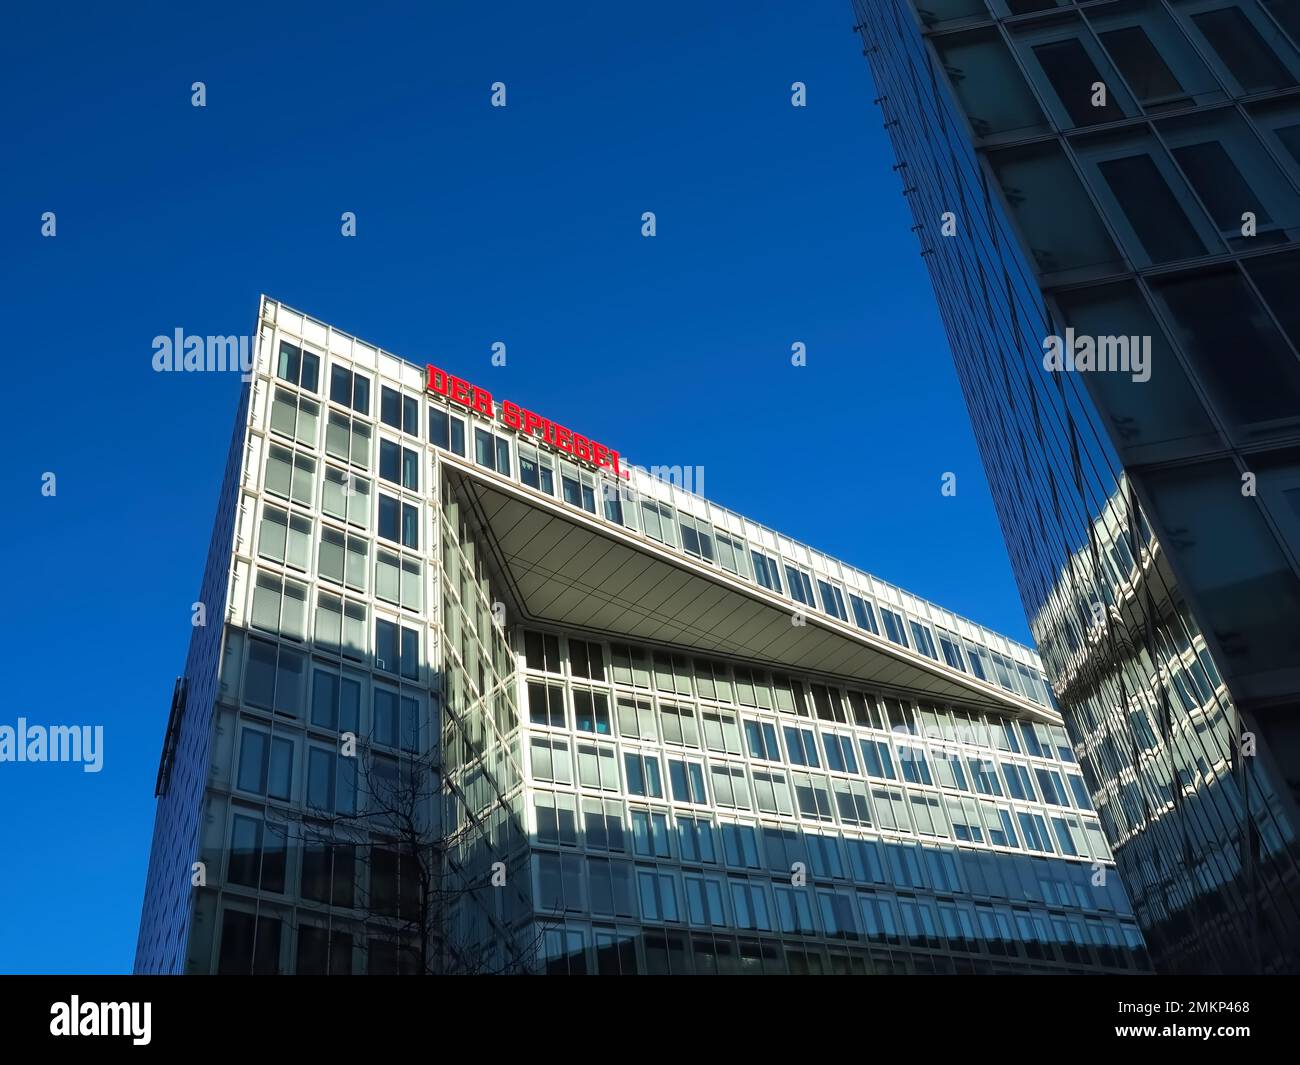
(565, 567)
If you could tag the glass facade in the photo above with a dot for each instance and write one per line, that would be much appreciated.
(373, 764)
(1122, 176)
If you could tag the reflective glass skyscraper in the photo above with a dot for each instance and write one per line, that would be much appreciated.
(1124, 176)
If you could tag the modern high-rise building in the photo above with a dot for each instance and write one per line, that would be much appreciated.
(473, 694)
(1106, 197)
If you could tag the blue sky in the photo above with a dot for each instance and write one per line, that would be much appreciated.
(474, 225)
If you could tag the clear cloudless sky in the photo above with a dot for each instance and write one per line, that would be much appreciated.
(475, 224)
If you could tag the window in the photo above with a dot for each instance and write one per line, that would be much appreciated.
(927, 815)
(656, 520)
(602, 824)
(837, 915)
(1018, 783)
(397, 649)
(697, 537)
(399, 579)
(658, 892)
(250, 945)
(446, 431)
(597, 767)
(802, 746)
(749, 900)
(284, 538)
(679, 725)
(335, 700)
(591, 711)
(399, 465)
(827, 703)
(740, 844)
(672, 673)
(542, 651)
(1051, 786)
(298, 367)
(630, 665)
(949, 767)
(866, 712)
(275, 681)
(340, 627)
(877, 760)
(951, 651)
(695, 839)
(399, 411)
(721, 733)
(864, 614)
(636, 718)
(687, 781)
(559, 882)
(916, 770)
(612, 894)
(772, 793)
(851, 802)
(704, 904)
(643, 775)
(832, 600)
(1242, 49)
(348, 439)
(399, 521)
(839, 753)
(280, 605)
(492, 451)
(550, 760)
(265, 764)
(730, 787)
(329, 872)
(291, 475)
(350, 389)
(650, 834)
(731, 555)
(343, 558)
(322, 952)
(535, 471)
(813, 796)
(1034, 830)
(546, 704)
(331, 781)
(296, 417)
(346, 497)
(924, 640)
(891, 810)
(894, 626)
(586, 660)
(800, 585)
(982, 773)
(1142, 66)
(1072, 73)
(257, 854)
(761, 739)
(794, 911)
(765, 571)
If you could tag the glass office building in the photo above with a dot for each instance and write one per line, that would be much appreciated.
(635, 731)
(1122, 176)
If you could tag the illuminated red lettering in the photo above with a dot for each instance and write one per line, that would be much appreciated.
(460, 391)
(482, 401)
(511, 414)
(437, 381)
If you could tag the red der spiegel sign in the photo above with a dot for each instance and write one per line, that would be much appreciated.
(528, 422)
